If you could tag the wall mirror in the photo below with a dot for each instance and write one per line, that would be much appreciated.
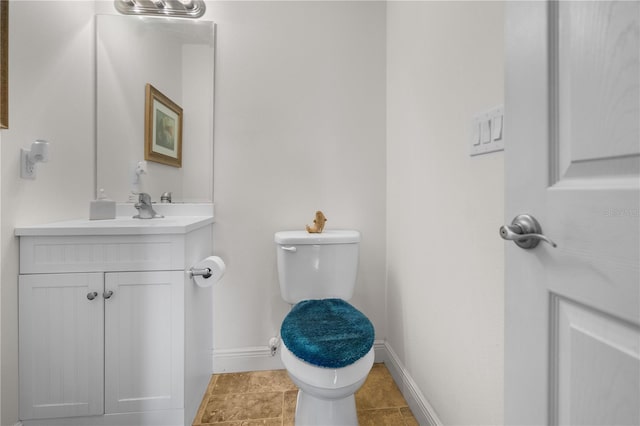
(176, 57)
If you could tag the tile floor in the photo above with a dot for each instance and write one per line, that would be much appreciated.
(268, 398)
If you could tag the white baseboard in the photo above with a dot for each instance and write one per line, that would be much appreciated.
(255, 358)
(422, 410)
(259, 358)
(380, 349)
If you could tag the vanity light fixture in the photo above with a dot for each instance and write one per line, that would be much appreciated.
(188, 4)
(172, 8)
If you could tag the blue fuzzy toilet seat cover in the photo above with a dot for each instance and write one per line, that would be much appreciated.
(327, 333)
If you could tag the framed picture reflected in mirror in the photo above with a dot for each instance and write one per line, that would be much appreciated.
(162, 128)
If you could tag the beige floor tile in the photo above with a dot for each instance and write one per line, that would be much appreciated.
(250, 406)
(409, 419)
(212, 383)
(203, 406)
(379, 391)
(274, 380)
(289, 407)
(259, 422)
(268, 398)
(253, 381)
(381, 417)
(231, 383)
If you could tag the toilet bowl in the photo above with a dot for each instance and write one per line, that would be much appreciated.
(328, 352)
(326, 395)
(327, 344)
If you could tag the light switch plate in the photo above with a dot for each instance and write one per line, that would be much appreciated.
(487, 131)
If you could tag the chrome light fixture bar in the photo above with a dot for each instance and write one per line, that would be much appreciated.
(173, 8)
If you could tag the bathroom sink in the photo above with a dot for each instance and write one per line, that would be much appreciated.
(185, 220)
(129, 221)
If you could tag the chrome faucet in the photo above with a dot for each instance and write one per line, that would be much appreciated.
(145, 209)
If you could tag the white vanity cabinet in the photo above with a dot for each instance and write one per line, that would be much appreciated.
(112, 331)
(144, 341)
(61, 345)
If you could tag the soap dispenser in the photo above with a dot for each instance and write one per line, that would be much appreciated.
(102, 207)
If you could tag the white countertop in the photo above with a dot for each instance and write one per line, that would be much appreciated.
(185, 220)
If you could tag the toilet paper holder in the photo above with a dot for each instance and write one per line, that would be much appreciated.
(204, 272)
(207, 271)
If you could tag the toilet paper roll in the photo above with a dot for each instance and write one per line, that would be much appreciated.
(216, 268)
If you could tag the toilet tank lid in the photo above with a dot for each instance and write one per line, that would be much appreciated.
(338, 236)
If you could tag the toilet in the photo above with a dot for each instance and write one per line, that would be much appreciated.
(327, 344)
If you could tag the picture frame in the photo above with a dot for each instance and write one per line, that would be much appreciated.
(162, 128)
(4, 64)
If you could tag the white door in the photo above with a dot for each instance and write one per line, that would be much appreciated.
(144, 341)
(60, 345)
(572, 161)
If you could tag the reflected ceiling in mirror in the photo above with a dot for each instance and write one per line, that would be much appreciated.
(176, 56)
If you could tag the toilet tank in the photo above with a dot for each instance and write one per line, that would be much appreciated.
(317, 266)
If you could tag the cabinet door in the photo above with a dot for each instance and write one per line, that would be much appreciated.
(61, 324)
(144, 341)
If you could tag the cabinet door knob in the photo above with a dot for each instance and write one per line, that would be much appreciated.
(92, 295)
(107, 294)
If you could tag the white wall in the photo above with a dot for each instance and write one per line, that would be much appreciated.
(50, 97)
(299, 126)
(445, 276)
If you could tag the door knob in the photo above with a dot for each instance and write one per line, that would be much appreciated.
(525, 231)
(92, 295)
(107, 294)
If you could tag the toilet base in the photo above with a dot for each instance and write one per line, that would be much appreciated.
(312, 411)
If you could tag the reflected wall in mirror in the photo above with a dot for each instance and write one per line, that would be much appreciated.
(176, 57)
